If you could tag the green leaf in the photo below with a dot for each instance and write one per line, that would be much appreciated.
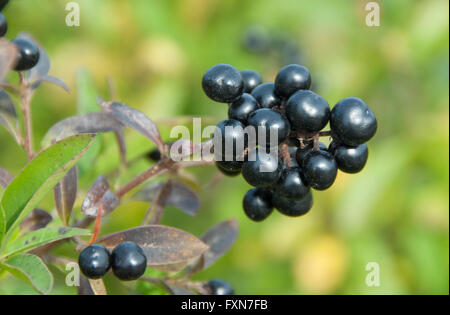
(30, 269)
(41, 237)
(25, 192)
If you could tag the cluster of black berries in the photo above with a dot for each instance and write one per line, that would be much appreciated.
(128, 261)
(27, 51)
(298, 115)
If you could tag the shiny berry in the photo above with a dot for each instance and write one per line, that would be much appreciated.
(223, 83)
(220, 287)
(230, 168)
(307, 112)
(251, 80)
(27, 55)
(229, 140)
(265, 95)
(258, 204)
(292, 184)
(242, 107)
(3, 25)
(268, 120)
(301, 152)
(94, 261)
(292, 208)
(353, 121)
(320, 169)
(128, 261)
(351, 159)
(262, 169)
(290, 79)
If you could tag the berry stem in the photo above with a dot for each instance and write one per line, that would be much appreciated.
(97, 226)
(286, 155)
(26, 95)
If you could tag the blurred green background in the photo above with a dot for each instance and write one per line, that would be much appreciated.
(394, 213)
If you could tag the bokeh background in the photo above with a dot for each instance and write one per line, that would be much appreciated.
(394, 213)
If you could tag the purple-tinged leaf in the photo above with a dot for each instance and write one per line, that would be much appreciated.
(85, 287)
(52, 80)
(162, 245)
(5, 178)
(220, 238)
(91, 287)
(88, 123)
(8, 53)
(99, 194)
(181, 196)
(97, 286)
(41, 69)
(136, 120)
(65, 194)
(8, 114)
(7, 105)
(38, 219)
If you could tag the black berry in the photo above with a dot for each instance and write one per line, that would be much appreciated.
(290, 79)
(3, 4)
(301, 153)
(292, 208)
(257, 204)
(154, 155)
(242, 107)
(128, 261)
(3, 25)
(353, 121)
(220, 287)
(27, 55)
(292, 184)
(251, 80)
(229, 140)
(94, 261)
(223, 83)
(320, 169)
(230, 168)
(307, 112)
(271, 120)
(265, 95)
(351, 159)
(262, 169)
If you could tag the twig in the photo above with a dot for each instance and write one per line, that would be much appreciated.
(26, 95)
(159, 168)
